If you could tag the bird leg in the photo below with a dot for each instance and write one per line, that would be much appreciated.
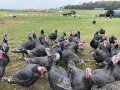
(44, 75)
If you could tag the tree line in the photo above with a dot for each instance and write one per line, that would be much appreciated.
(107, 5)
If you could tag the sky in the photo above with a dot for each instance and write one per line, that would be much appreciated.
(38, 4)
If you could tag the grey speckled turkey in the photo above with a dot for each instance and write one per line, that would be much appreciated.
(45, 61)
(58, 78)
(4, 58)
(38, 51)
(116, 48)
(103, 76)
(111, 86)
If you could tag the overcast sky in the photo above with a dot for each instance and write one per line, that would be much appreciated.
(38, 4)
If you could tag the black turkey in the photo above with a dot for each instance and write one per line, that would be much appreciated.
(95, 42)
(103, 35)
(26, 76)
(69, 55)
(57, 49)
(53, 36)
(74, 38)
(62, 38)
(94, 22)
(35, 40)
(102, 31)
(105, 45)
(43, 39)
(77, 34)
(80, 80)
(26, 45)
(101, 55)
(38, 51)
(62, 44)
(112, 39)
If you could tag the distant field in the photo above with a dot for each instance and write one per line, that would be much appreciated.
(18, 28)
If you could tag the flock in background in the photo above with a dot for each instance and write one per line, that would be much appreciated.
(44, 54)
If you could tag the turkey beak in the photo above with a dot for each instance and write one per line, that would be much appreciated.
(56, 58)
(88, 73)
(116, 42)
(46, 39)
(105, 44)
(42, 69)
(80, 46)
(5, 36)
(114, 60)
(48, 51)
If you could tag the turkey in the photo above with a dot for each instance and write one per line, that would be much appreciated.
(58, 78)
(95, 42)
(116, 70)
(62, 38)
(103, 35)
(75, 39)
(111, 86)
(38, 51)
(116, 48)
(69, 55)
(35, 40)
(94, 22)
(73, 46)
(105, 45)
(102, 31)
(78, 34)
(62, 44)
(80, 80)
(4, 45)
(45, 61)
(72, 37)
(26, 45)
(53, 36)
(112, 39)
(57, 49)
(101, 55)
(4, 60)
(43, 39)
(104, 76)
(26, 76)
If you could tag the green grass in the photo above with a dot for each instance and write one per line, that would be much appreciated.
(18, 28)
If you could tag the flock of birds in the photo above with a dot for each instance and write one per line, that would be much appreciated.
(44, 54)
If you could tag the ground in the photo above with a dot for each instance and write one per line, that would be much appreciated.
(18, 28)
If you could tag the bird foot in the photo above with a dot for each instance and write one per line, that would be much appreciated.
(91, 52)
(4, 79)
(96, 63)
(21, 58)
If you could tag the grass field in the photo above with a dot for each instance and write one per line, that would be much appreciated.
(18, 28)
